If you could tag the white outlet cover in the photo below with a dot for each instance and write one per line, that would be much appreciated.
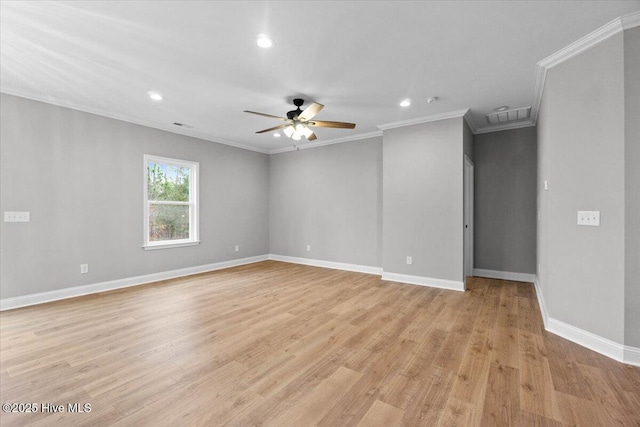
(17, 216)
(589, 218)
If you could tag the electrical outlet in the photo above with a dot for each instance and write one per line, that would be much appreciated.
(308, 248)
(84, 268)
(237, 248)
(409, 260)
(17, 216)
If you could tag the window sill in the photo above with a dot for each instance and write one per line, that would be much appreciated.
(169, 245)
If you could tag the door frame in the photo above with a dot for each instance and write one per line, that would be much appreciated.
(467, 224)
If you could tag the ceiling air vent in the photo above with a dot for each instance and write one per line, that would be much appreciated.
(508, 116)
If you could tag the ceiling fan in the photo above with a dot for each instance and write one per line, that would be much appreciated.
(298, 121)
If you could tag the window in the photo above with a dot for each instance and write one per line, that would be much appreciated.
(170, 203)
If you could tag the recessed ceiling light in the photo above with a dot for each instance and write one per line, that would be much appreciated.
(276, 135)
(264, 41)
(405, 103)
(503, 108)
(155, 96)
(432, 99)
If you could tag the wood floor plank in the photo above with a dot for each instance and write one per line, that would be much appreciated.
(382, 415)
(280, 344)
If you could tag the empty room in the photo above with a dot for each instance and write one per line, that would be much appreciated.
(320, 213)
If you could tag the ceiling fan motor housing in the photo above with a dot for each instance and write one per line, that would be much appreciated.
(295, 113)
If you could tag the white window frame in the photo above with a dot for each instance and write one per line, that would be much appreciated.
(193, 204)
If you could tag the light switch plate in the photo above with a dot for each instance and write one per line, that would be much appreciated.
(590, 218)
(17, 216)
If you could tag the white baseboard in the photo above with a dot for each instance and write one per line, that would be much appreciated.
(604, 346)
(586, 339)
(504, 275)
(541, 303)
(631, 355)
(327, 264)
(76, 291)
(424, 281)
(393, 277)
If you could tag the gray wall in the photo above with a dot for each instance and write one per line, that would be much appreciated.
(422, 204)
(505, 201)
(632, 186)
(581, 151)
(330, 198)
(80, 176)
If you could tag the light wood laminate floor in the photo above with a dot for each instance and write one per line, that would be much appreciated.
(288, 345)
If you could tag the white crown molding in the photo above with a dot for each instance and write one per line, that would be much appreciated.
(427, 119)
(76, 291)
(167, 128)
(506, 126)
(471, 122)
(505, 275)
(631, 20)
(329, 142)
(424, 281)
(327, 264)
(592, 39)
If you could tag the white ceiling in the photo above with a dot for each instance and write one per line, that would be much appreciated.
(358, 58)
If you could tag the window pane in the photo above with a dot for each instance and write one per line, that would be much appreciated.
(167, 182)
(168, 222)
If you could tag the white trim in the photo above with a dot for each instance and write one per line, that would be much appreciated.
(504, 275)
(586, 339)
(327, 264)
(541, 303)
(630, 20)
(424, 281)
(621, 353)
(632, 355)
(427, 119)
(468, 117)
(587, 42)
(76, 291)
(173, 244)
(507, 126)
(601, 34)
(173, 129)
(193, 203)
(329, 142)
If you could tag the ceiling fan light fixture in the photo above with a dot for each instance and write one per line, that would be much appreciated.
(307, 132)
(288, 131)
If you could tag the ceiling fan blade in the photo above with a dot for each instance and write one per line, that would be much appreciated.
(312, 137)
(310, 111)
(273, 128)
(325, 124)
(267, 115)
